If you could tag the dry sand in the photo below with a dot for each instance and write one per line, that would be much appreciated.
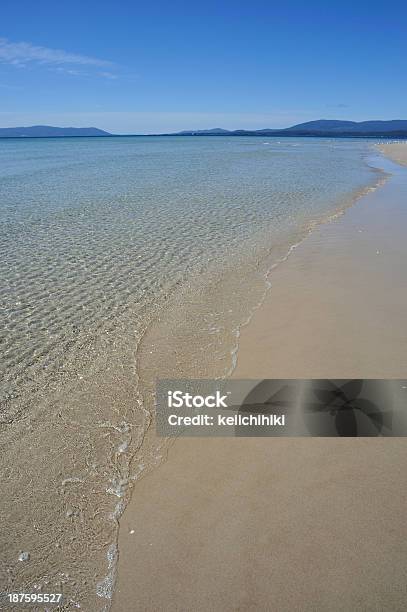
(291, 524)
(396, 151)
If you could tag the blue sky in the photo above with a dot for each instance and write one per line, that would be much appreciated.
(142, 67)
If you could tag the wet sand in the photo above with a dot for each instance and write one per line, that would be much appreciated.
(291, 524)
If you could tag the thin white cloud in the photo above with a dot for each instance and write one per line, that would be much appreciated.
(9, 87)
(107, 75)
(21, 54)
(71, 71)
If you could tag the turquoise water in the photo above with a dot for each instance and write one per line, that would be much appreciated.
(101, 239)
(92, 228)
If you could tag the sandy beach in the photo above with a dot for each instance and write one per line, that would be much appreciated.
(292, 524)
(396, 151)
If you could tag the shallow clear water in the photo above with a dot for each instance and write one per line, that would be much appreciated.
(91, 228)
(100, 238)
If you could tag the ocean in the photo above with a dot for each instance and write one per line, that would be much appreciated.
(107, 242)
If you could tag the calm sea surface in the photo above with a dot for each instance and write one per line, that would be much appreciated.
(92, 228)
(97, 237)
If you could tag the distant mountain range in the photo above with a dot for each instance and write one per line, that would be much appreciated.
(47, 131)
(396, 128)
